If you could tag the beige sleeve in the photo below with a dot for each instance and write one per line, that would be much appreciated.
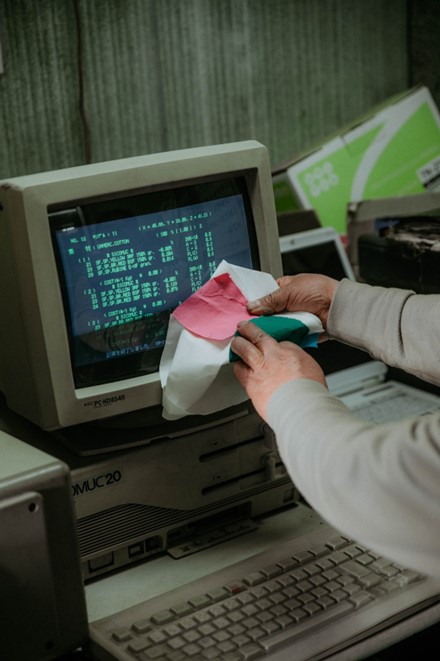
(378, 484)
(394, 325)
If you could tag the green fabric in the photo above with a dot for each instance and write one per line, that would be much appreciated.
(280, 328)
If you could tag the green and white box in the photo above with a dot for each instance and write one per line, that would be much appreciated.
(393, 151)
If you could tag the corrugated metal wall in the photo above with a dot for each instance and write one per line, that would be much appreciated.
(154, 75)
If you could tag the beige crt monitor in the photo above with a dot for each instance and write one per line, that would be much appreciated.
(93, 259)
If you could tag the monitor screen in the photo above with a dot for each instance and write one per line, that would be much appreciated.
(125, 264)
(94, 258)
(314, 259)
(318, 250)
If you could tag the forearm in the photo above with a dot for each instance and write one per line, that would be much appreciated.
(393, 325)
(378, 484)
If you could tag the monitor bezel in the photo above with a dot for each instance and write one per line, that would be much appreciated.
(46, 392)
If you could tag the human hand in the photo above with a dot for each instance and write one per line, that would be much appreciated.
(266, 365)
(304, 292)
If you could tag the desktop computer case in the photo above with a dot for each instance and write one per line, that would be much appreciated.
(42, 600)
(177, 495)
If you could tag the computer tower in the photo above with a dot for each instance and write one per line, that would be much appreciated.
(42, 600)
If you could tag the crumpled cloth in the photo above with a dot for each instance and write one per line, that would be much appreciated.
(195, 369)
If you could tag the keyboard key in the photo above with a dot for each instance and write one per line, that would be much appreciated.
(360, 599)
(287, 563)
(279, 610)
(137, 645)
(236, 629)
(217, 594)
(271, 571)
(176, 643)
(241, 640)
(318, 579)
(192, 650)
(206, 642)
(226, 646)
(202, 617)
(304, 586)
(236, 616)
(172, 630)
(181, 609)
(312, 568)
(207, 630)
(354, 568)
(176, 656)
(365, 559)
(277, 598)
(235, 587)
(162, 617)
(339, 595)
(303, 556)
(231, 604)
(217, 610)
(408, 576)
(286, 635)
(336, 543)
(256, 633)
(191, 636)
(318, 550)
(157, 637)
(299, 574)
(121, 635)
(254, 579)
(200, 601)
(305, 597)
(250, 623)
(221, 622)
(338, 557)
(210, 653)
(325, 602)
(325, 563)
(319, 592)
(188, 623)
(285, 621)
(220, 636)
(352, 551)
(250, 651)
(312, 607)
(270, 626)
(250, 609)
(298, 614)
(370, 580)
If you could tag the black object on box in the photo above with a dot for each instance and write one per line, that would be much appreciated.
(407, 255)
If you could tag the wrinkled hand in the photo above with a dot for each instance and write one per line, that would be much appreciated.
(266, 364)
(305, 292)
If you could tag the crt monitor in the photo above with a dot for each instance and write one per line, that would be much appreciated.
(94, 258)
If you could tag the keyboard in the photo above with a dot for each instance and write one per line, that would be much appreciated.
(303, 599)
(395, 406)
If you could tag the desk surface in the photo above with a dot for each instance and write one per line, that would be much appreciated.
(130, 586)
(147, 579)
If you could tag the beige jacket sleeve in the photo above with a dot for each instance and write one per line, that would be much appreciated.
(378, 484)
(396, 326)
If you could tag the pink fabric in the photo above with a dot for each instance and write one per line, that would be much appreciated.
(214, 310)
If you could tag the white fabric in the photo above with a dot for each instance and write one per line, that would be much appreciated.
(195, 373)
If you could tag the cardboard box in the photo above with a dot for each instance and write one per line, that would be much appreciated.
(394, 150)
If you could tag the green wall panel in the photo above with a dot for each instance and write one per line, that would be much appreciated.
(165, 74)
